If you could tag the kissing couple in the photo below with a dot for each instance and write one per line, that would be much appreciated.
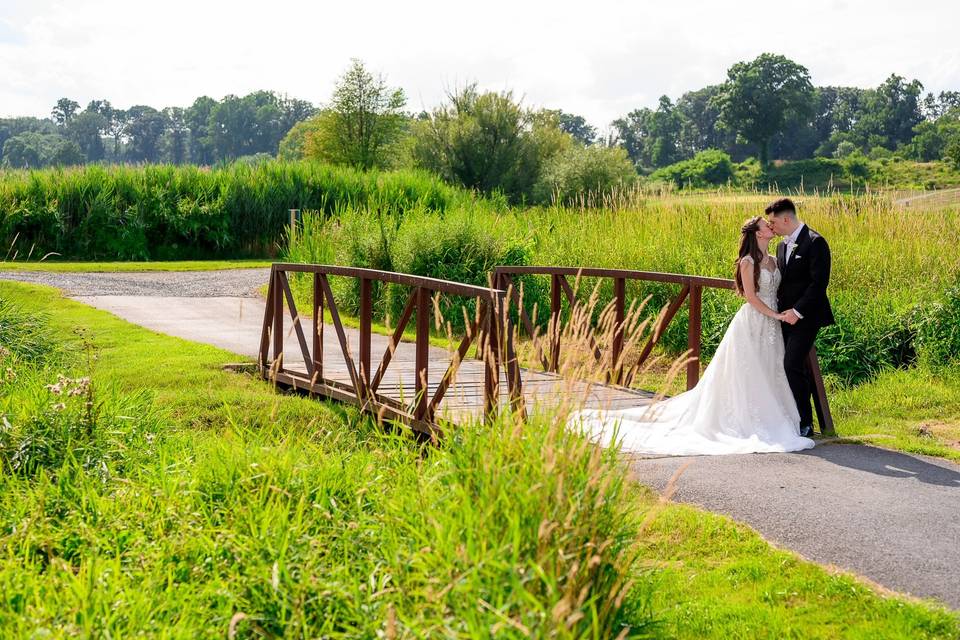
(756, 392)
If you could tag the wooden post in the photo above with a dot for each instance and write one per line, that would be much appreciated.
(277, 323)
(820, 403)
(366, 317)
(693, 335)
(615, 375)
(317, 328)
(491, 359)
(423, 353)
(294, 217)
(555, 310)
(267, 323)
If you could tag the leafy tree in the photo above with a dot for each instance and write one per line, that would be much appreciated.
(489, 142)
(294, 144)
(231, 128)
(651, 138)
(699, 130)
(175, 141)
(34, 150)
(86, 129)
(577, 127)
(197, 119)
(952, 153)
(936, 106)
(363, 123)
(64, 111)
(932, 139)
(293, 111)
(10, 127)
(145, 125)
(890, 113)
(760, 97)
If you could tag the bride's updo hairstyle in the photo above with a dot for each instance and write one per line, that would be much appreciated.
(749, 247)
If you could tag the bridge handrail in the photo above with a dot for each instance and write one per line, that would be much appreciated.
(692, 287)
(629, 274)
(493, 343)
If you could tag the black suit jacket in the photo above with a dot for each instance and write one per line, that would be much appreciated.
(804, 280)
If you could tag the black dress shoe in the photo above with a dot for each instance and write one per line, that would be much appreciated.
(806, 431)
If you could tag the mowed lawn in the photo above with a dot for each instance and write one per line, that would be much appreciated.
(205, 504)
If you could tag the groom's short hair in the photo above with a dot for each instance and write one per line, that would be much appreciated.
(782, 205)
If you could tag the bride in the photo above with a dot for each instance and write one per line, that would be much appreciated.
(743, 403)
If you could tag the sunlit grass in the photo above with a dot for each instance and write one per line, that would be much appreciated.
(240, 508)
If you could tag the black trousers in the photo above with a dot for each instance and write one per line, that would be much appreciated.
(798, 339)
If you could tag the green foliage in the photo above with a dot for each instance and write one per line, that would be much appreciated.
(886, 260)
(25, 335)
(488, 142)
(760, 97)
(708, 168)
(938, 321)
(652, 137)
(307, 518)
(856, 167)
(33, 149)
(461, 244)
(293, 145)
(363, 124)
(584, 174)
(806, 174)
(162, 211)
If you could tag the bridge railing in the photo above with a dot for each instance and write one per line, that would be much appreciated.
(691, 292)
(494, 345)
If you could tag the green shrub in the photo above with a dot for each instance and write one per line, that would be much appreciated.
(461, 246)
(585, 174)
(806, 174)
(708, 168)
(938, 337)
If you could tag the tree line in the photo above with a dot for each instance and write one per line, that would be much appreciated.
(205, 133)
(769, 108)
(489, 141)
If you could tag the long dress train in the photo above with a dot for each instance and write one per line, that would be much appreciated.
(742, 404)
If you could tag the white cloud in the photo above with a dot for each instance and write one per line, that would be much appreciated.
(600, 58)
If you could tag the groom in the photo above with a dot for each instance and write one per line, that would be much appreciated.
(804, 261)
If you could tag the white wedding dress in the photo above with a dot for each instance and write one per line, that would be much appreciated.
(742, 404)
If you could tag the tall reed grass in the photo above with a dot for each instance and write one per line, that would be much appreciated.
(166, 212)
(891, 265)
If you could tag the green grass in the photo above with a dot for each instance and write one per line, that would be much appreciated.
(183, 265)
(719, 579)
(229, 505)
(915, 410)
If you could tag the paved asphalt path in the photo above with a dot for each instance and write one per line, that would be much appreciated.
(886, 515)
(889, 516)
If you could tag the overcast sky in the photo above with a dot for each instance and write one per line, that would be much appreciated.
(598, 58)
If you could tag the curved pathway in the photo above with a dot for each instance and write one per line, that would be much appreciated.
(889, 516)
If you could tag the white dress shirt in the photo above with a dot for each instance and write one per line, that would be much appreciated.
(791, 245)
(791, 241)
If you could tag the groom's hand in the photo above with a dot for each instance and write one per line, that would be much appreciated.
(790, 316)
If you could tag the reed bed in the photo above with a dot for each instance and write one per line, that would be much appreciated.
(894, 267)
(163, 212)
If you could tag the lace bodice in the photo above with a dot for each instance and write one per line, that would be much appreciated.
(769, 283)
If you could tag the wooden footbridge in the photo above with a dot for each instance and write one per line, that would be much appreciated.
(427, 386)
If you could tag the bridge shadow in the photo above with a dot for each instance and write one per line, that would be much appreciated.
(884, 462)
